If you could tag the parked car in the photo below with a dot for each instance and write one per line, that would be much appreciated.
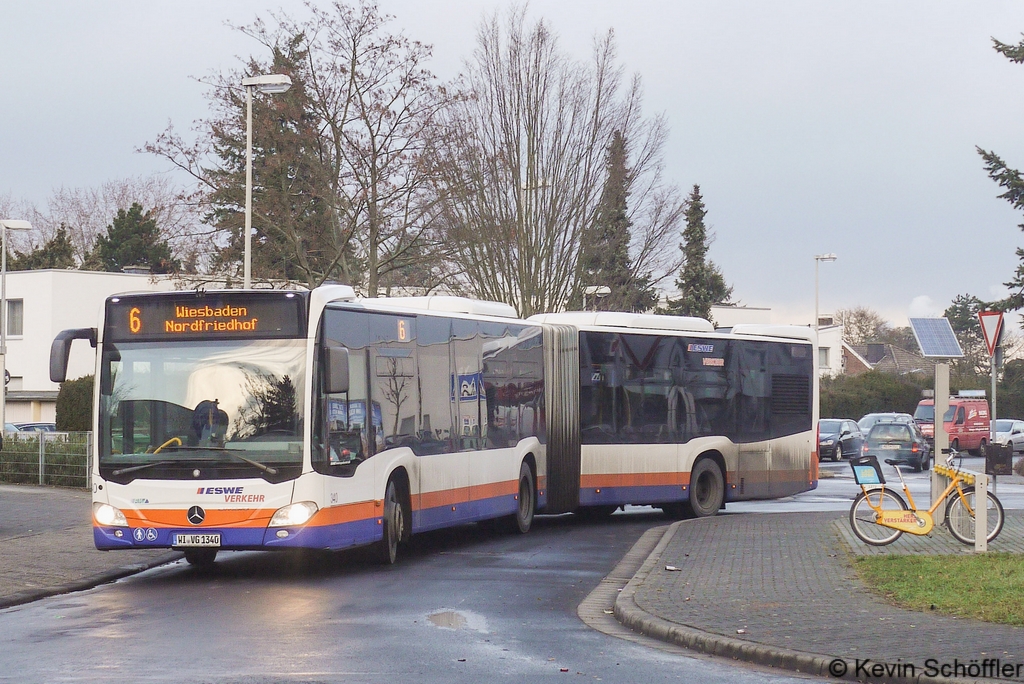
(900, 442)
(36, 427)
(1010, 432)
(838, 438)
(966, 422)
(867, 422)
(10, 427)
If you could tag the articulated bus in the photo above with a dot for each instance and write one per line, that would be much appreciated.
(268, 419)
(676, 415)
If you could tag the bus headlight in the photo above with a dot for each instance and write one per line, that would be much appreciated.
(294, 514)
(108, 516)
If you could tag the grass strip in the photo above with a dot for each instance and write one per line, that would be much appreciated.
(987, 586)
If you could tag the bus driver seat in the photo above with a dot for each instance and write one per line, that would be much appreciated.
(209, 424)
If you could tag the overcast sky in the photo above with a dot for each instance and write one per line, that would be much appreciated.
(811, 127)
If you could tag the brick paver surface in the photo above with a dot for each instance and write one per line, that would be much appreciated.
(46, 542)
(785, 580)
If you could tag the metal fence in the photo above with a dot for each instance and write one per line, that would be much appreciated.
(60, 459)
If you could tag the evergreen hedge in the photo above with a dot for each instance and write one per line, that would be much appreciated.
(74, 405)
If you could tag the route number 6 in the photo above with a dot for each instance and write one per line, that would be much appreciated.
(134, 322)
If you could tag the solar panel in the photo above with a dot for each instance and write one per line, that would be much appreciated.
(936, 338)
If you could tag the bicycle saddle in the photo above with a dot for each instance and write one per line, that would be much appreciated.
(892, 461)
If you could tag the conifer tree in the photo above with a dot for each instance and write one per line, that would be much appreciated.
(605, 256)
(1012, 181)
(58, 252)
(700, 283)
(132, 239)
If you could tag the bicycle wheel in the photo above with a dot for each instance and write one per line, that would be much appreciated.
(863, 516)
(960, 521)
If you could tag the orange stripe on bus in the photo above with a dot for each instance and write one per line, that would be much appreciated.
(634, 479)
(225, 517)
(443, 497)
(462, 495)
(494, 489)
(345, 513)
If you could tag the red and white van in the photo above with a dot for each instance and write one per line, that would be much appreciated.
(966, 422)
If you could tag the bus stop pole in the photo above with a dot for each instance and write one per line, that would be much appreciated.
(941, 445)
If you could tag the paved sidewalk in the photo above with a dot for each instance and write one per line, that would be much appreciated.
(779, 590)
(46, 546)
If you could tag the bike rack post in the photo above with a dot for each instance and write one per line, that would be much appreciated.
(980, 513)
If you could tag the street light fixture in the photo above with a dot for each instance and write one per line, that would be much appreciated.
(597, 291)
(5, 225)
(818, 258)
(270, 84)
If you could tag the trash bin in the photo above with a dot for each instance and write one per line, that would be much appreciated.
(999, 459)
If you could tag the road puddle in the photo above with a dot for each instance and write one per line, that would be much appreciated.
(448, 619)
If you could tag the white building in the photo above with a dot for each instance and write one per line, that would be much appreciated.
(728, 315)
(830, 349)
(39, 305)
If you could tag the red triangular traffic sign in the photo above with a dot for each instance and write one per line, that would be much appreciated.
(991, 325)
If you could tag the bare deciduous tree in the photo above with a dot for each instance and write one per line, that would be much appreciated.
(862, 325)
(522, 164)
(87, 211)
(364, 107)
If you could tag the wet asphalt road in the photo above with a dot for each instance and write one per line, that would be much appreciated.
(469, 605)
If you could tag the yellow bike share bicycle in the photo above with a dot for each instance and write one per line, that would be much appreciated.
(879, 515)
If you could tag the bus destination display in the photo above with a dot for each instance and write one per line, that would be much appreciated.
(212, 316)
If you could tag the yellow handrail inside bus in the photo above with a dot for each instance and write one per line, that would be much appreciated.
(168, 443)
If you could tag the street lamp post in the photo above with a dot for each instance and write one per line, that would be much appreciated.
(269, 84)
(818, 258)
(5, 225)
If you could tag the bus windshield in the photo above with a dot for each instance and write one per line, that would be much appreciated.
(207, 408)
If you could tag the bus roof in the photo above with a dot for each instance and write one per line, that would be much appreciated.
(621, 319)
(444, 303)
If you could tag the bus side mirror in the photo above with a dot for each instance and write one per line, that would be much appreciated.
(60, 350)
(335, 370)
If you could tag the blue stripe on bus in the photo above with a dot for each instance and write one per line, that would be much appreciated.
(339, 536)
(465, 512)
(639, 495)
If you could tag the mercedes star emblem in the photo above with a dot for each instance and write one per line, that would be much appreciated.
(196, 515)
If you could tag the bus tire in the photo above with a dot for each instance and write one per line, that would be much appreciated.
(200, 558)
(707, 488)
(522, 520)
(394, 524)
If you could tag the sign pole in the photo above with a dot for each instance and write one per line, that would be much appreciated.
(992, 328)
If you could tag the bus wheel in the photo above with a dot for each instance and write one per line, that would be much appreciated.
(522, 521)
(707, 488)
(201, 558)
(394, 525)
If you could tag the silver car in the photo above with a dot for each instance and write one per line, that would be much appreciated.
(1010, 432)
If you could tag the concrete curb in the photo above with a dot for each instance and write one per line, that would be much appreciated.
(631, 615)
(105, 577)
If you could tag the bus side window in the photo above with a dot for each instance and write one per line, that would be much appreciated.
(340, 436)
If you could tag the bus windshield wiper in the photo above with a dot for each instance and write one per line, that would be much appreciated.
(230, 452)
(132, 469)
